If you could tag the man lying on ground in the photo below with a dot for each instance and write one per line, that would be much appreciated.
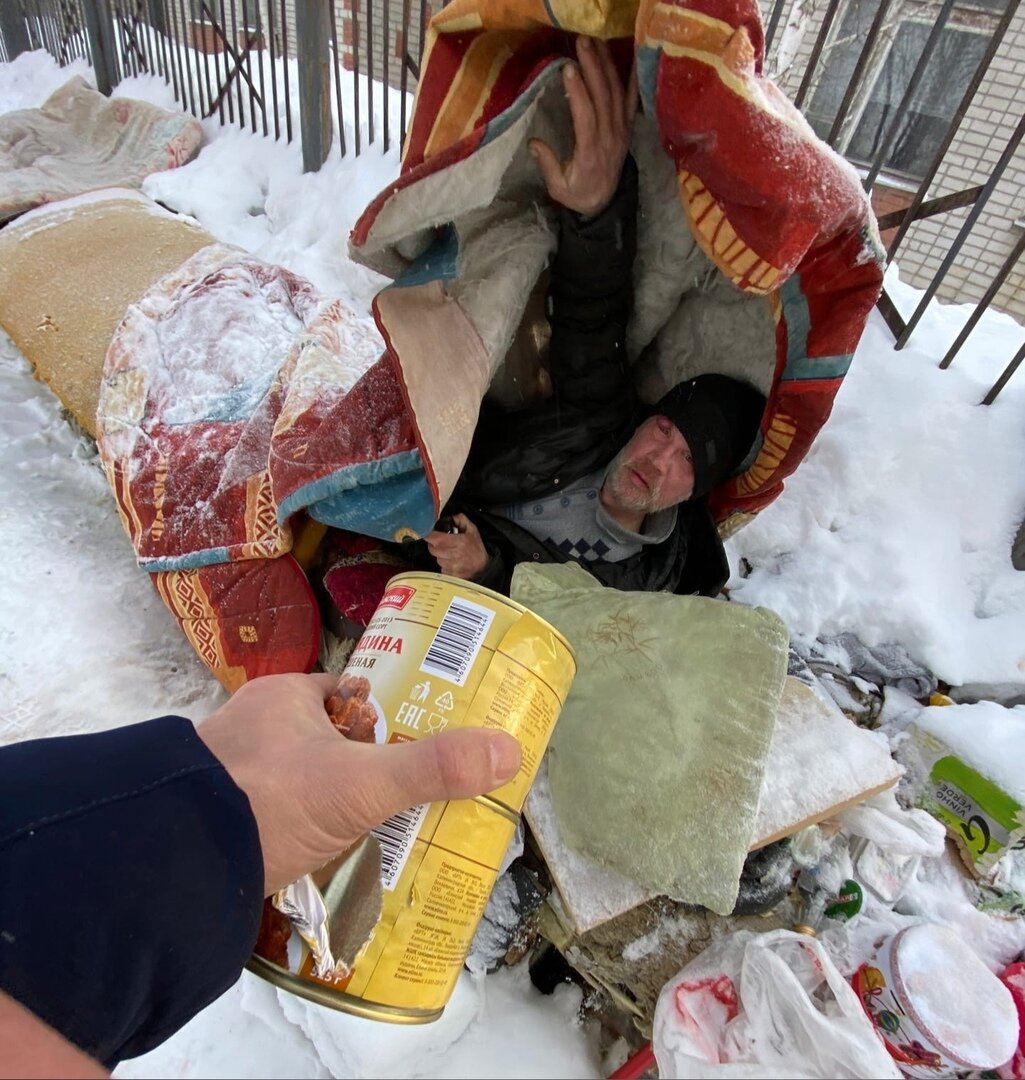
(585, 475)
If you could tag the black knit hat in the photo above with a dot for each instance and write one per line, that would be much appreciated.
(719, 418)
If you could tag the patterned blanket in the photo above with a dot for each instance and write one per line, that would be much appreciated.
(80, 141)
(234, 395)
(771, 208)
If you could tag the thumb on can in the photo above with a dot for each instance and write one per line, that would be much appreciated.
(453, 765)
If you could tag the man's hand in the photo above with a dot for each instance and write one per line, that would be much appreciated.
(460, 554)
(603, 115)
(314, 793)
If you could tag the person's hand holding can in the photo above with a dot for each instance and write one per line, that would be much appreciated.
(314, 793)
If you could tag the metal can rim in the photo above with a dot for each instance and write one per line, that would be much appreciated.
(339, 1000)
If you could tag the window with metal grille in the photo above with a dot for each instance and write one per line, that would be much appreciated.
(920, 131)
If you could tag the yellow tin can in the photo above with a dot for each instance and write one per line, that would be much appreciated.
(385, 933)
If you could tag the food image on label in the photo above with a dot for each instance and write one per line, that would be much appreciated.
(457, 640)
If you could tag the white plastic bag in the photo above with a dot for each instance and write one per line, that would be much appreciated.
(765, 1005)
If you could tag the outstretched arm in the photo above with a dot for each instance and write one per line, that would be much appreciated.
(603, 114)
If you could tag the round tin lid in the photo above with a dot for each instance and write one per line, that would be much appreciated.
(953, 997)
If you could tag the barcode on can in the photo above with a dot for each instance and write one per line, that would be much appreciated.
(457, 641)
(396, 837)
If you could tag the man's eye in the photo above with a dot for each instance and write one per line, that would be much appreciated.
(687, 457)
(664, 426)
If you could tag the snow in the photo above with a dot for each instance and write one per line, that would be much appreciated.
(896, 528)
(898, 524)
(986, 736)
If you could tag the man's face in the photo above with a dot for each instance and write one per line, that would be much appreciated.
(654, 470)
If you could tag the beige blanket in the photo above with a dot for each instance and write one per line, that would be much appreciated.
(80, 141)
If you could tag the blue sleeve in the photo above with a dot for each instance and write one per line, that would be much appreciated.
(131, 882)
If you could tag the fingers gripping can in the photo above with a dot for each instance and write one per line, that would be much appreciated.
(384, 933)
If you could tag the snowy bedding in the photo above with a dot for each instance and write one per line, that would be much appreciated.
(80, 141)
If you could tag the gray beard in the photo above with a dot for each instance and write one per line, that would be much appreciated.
(623, 492)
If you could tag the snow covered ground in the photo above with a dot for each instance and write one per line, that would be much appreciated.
(898, 528)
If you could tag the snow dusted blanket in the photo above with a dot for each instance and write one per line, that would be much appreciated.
(755, 240)
(79, 141)
(234, 395)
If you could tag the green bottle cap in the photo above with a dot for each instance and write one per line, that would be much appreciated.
(847, 903)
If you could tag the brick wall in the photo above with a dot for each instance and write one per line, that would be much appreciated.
(393, 48)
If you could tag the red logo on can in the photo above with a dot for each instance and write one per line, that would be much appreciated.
(397, 596)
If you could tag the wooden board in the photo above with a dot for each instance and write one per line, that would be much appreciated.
(819, 764)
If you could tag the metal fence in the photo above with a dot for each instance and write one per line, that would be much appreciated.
(335, 74)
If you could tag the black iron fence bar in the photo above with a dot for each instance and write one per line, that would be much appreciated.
(312, 36)
(147, 35)
(73, 36)
(891, 316)
(124, 69)
(973, 215)
(252, 41)
(14, 32)
(284, 56)
(859, 70)
(233, 38)
(45, 30)
(139, 36)
(124, 53)
(404, 73)
(177, 84)
(336, 68)
(773, 25)
(816, 52)
(204, 84)
(370, 71)
(271, 36)
(931, 208)
(52, 17)
(133, 31)
(355, 71)
(101, 39)
(386, 73)
(247, 55)
(955, 123)
(1008, 265)
(262, 45)
(164, 45)
(219, 80)
(905, 102)
(1011, 368)
(222, 30)
(186, 48)
(42, 28)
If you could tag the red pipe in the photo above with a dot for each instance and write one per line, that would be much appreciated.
(636, 1065)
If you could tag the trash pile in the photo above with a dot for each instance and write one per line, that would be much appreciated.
(884, 937)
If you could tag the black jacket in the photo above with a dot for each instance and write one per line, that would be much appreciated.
(131, 883)
(590, 416)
